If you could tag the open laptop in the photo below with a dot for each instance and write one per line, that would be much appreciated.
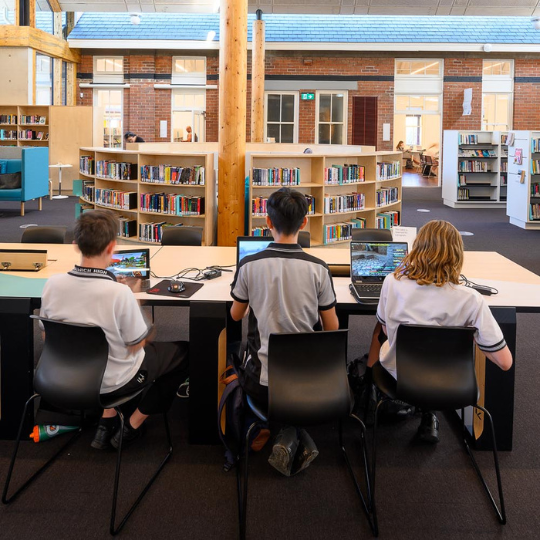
(249, 245)
(132, 263)
(371, 262)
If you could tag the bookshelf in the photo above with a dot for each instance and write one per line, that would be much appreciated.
(523, 205)
(473, 163)
(345, 190)
(62, 129)
(150, 190)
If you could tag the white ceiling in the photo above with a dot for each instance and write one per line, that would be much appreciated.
(512, 8)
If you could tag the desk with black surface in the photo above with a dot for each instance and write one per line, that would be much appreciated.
(518, 288)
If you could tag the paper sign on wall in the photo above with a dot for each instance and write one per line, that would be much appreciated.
(404, 234)
(467, 102)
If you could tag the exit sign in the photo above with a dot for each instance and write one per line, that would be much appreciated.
(307, 96)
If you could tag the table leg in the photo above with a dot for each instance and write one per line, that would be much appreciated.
(60, 196)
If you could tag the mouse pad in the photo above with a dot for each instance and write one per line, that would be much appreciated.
(162, 289)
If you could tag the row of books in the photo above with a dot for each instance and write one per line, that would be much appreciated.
(87, 164)
(534, 213)
(535, 145)
(462, 194)
(467, 139)
(170, 203)
(535, 166)
(385, 196)
(8, 118)
(261, 231)
(8, 135)
(276, 177)
(386, 171)
(504, 139)
(504, 166)
(259, 205)
(127, 227)
(88, 191)
(152, 232)
(535, 190)
(32, 135)
(340, 232)
(344, 174)
(167, 174)
(33, 119)
(116, 170)
(473, 166)
(477, 153)
(124, 200)
(335, 204)
(387, 220)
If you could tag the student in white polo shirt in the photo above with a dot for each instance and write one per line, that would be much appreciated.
(425, 290)
(90, 294)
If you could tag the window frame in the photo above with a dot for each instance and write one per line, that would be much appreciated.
(503, 127)
(492, 86)
(111, 77)
(418, 76)
(95, 95)
(193, 78)
(295, 115)
(344, 132)
(418, 129)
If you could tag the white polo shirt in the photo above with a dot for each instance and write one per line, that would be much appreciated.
(93, 296)
(403, 301)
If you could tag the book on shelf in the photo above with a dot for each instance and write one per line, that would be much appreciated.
(504, 166)
(127, 227)
(350, 202)
(259, 205)
(504, 139)
(123, 200)
(340, 232)
(386, 196)
(8, 119)
(387, 220)
(276, 177)
(116, 170)
(477, 153)
(88, 191)
(467, 139)
(8, 135)
(463, 194)
(534, 212)
(261, 231)
(153, 231)
(473, 166)
(535, 146)
(87, 164)
(535, 190)
(388, 170)
(168, 174)
(33, 119)
(535, 166)
(344, 174)
(462, 180)
(171, 203)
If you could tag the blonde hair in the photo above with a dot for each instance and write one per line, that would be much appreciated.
(436, 257)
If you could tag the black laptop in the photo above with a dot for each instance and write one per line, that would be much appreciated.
(249, 245)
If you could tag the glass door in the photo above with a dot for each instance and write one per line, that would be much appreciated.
(108, 116)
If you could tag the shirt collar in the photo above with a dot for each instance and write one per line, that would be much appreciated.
(84, 271)
(285, 247)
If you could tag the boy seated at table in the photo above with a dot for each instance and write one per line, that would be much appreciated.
(91, 294)
(284, 290)
(425, 290)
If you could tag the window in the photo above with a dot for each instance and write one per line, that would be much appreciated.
(189, 70)
(331, 126)
(417, 103)
(413, 130)
(496, 112)
(416, 68)
(188, 110)
(281, 114)
(109, 69)
(7, 12)
(497, 95)
(44, 79)
(64, 82)
(108, 108)
(496, 68)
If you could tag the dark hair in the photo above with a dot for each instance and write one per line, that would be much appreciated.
(94, 231)
(287, 209)
(129, 134)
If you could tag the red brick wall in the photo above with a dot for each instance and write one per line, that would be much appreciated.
(526, 95)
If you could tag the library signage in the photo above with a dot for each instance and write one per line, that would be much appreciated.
(308, 97)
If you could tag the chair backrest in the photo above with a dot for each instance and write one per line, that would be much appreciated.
(72, 364)
(435, 366)
(182, 236)
(304, 239)
(307, 378)
(428, 160)
(44, 235)
(375, 235)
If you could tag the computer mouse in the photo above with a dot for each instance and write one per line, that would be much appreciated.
(176, 286)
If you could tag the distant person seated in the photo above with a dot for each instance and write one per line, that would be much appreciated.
(190, 136)
(400, 146)
(90, 294)
(282, 289)
(131, 137)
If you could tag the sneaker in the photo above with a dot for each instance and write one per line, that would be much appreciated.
(306, 453)
(130, 435)
(102, 438)
(428, 431)
(284, 450)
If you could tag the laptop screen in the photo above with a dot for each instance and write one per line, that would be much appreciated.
(131, 263)
(373, 261)
(249, 245)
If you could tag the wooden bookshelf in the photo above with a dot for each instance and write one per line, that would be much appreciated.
(140, 184)
(313, 171)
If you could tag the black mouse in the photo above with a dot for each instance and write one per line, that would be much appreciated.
(176, 286)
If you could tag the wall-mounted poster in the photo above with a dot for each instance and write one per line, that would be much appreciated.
(518, 156)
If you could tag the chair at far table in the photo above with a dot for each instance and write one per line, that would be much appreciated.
(44, 235)
(371, 235)
(69, 376)
(304, 239)
(307, 385)
(182, 236)
(436, 373)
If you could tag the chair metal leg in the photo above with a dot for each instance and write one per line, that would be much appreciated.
(5, 498)
(501, 512)
(112, 528)
(243, 489)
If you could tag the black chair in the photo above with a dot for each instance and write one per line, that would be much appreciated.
(308, 385)
(427, 165)
(182, 236)
(371, 235)
(44, 235)
(435, 366)
(304, 239)
(69, 376)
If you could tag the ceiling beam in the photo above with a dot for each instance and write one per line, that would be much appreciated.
(55, 5)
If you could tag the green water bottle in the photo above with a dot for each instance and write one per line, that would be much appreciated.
(44, 432)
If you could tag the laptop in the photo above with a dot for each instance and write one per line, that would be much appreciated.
(371, 262)
(249, 245)
(132, 263)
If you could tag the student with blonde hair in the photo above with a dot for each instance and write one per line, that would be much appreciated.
(425, 289)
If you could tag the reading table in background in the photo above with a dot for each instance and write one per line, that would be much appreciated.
(210, 326)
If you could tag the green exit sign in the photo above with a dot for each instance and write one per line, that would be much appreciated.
(307, 96)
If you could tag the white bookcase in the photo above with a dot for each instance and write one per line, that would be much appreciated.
(523, 206)
(472, 169)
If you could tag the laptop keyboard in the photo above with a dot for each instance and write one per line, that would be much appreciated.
(371, 288)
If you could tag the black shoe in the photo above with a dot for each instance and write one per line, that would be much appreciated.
(130, 435)
(428, 431)
(102, 438)
(306, 453)
(284, 450)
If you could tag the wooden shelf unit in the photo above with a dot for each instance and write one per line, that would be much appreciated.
(312, 182)
(207, 220)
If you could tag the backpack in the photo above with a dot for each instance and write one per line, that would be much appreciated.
(234, 419)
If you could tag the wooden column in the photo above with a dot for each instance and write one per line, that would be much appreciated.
(232, 120)
(257, 80)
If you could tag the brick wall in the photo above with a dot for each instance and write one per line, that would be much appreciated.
(526, 95)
